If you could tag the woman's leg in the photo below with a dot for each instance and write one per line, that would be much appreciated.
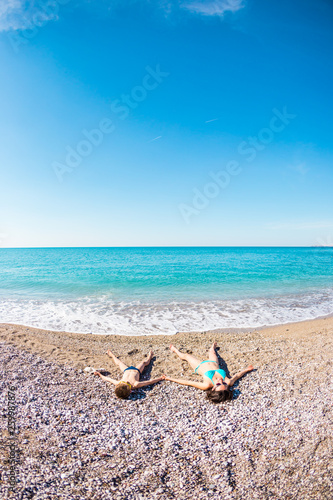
(117, 361)
(193, 362)
(141, 366)
(212, 354)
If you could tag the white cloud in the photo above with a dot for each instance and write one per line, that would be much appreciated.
(213, 7)
(156, 138)
(7, 5)
(26, 14)
(8, 9)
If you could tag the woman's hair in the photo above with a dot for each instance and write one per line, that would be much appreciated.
(219, 396)
(122, 391)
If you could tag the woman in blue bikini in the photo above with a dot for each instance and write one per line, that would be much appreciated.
(215, 381)
(131, 376)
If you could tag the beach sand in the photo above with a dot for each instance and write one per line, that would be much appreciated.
(76, 440)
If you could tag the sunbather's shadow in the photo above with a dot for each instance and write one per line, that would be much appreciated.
(141, 393)
(146, 375)
(222, 364)
(235, 391)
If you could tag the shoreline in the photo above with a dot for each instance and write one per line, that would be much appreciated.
(247, 329)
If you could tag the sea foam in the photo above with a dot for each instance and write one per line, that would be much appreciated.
(103, 316)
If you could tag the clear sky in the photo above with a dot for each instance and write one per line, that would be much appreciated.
(133, 123)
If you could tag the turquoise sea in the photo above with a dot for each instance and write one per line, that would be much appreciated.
(163, 290)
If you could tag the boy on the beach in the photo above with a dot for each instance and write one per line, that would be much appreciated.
(131, 376)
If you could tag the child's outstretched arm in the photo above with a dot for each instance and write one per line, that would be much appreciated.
(107, 379)
(149, 382)
(198, 385)
(240, 374)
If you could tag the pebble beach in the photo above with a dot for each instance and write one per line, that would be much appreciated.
(75, 440)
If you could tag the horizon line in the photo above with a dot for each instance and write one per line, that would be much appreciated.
(170, 246)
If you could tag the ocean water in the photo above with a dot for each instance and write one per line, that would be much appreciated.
(138, 291)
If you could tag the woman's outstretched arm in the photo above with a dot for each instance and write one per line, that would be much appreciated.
(240, 374)
(198, 385)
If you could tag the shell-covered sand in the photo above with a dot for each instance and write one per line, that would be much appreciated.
(75, 440)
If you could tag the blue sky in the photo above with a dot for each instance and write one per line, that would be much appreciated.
(133, 123)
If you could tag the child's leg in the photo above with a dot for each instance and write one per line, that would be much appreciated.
(194, 362)
(117, 361)
(141, 366)
(212, 354)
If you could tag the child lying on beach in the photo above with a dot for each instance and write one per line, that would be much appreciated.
(131, 376)
(215, 381)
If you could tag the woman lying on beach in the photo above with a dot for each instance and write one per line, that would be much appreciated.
(215, 381)
(131, 376)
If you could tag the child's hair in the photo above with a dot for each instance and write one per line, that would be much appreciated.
(122, 391)
(219, 396)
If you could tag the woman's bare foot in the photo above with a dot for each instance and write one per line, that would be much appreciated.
(110, 353)
(173, 349)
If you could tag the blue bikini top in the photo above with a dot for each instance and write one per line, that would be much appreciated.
(210, 373)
